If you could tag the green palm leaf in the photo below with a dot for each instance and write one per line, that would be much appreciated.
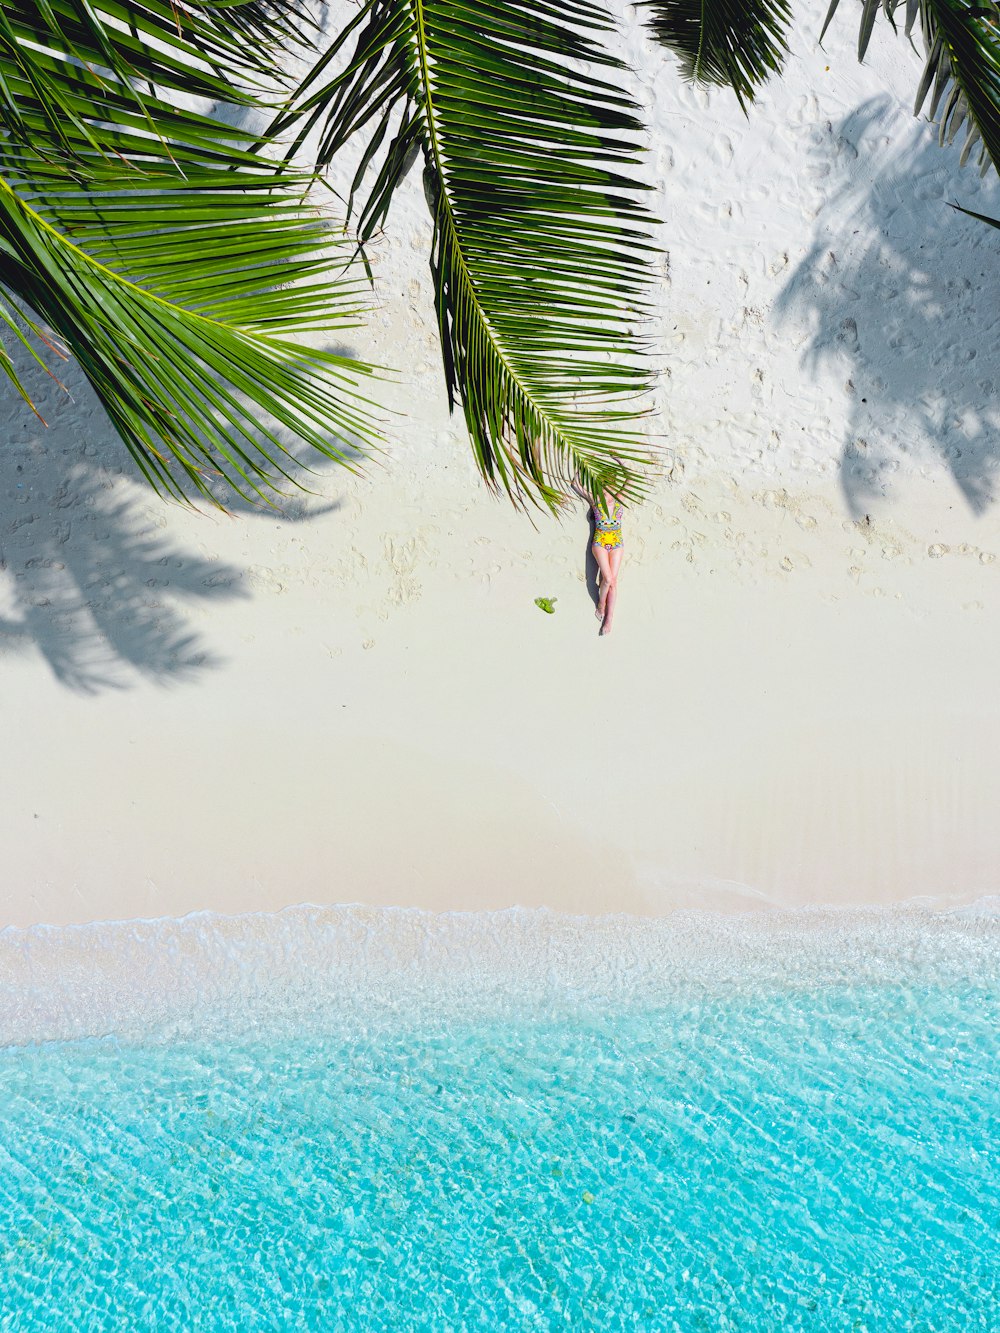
(739, 43)
(980, 217)
(192, 360)
(962, 72)
(540, 252)
(179, 265)
(75, 77)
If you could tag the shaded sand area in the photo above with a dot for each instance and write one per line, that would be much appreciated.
(357, 700)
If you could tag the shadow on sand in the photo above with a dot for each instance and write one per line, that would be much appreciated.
(590, 567)
(903, 294)
(90, 576)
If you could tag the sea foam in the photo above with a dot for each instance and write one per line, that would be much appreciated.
(208, 975)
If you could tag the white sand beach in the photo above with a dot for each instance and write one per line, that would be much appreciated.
(357, 700)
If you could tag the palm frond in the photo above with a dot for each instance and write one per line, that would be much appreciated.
(962, 72)
(74, 75)
(869, 13)
(541, 254)
(179, 266)
(20, 323)
(734, 43)
(980, 217)
(185, 307)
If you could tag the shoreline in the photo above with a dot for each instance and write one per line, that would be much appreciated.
(297, 971)
(982, 907)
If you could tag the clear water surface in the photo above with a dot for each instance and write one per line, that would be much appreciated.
(762, 1147)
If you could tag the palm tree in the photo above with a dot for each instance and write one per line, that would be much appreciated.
(180, 259)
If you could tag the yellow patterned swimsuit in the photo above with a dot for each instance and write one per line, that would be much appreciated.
(608, 530)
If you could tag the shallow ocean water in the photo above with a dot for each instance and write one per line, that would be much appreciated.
(695, 1135)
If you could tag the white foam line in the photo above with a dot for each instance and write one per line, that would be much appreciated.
(216, 977)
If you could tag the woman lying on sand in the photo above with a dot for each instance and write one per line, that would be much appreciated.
(607, 549)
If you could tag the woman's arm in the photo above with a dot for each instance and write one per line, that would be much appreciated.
(581, 492)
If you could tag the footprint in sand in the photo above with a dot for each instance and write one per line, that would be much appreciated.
(401, 557)
(262, 579)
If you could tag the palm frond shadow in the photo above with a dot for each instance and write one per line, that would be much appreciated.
(89, 576)
(249, 118)
(903, 296)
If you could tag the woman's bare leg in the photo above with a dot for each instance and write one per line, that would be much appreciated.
(603, 557)
(612, 593)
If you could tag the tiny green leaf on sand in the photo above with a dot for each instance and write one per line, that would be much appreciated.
(548, 604)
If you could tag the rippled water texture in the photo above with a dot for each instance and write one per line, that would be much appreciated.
(803, 1136)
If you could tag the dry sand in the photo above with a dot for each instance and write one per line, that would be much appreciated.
(358, 701)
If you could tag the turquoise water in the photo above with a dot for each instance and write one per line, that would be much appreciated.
(751, 1152)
